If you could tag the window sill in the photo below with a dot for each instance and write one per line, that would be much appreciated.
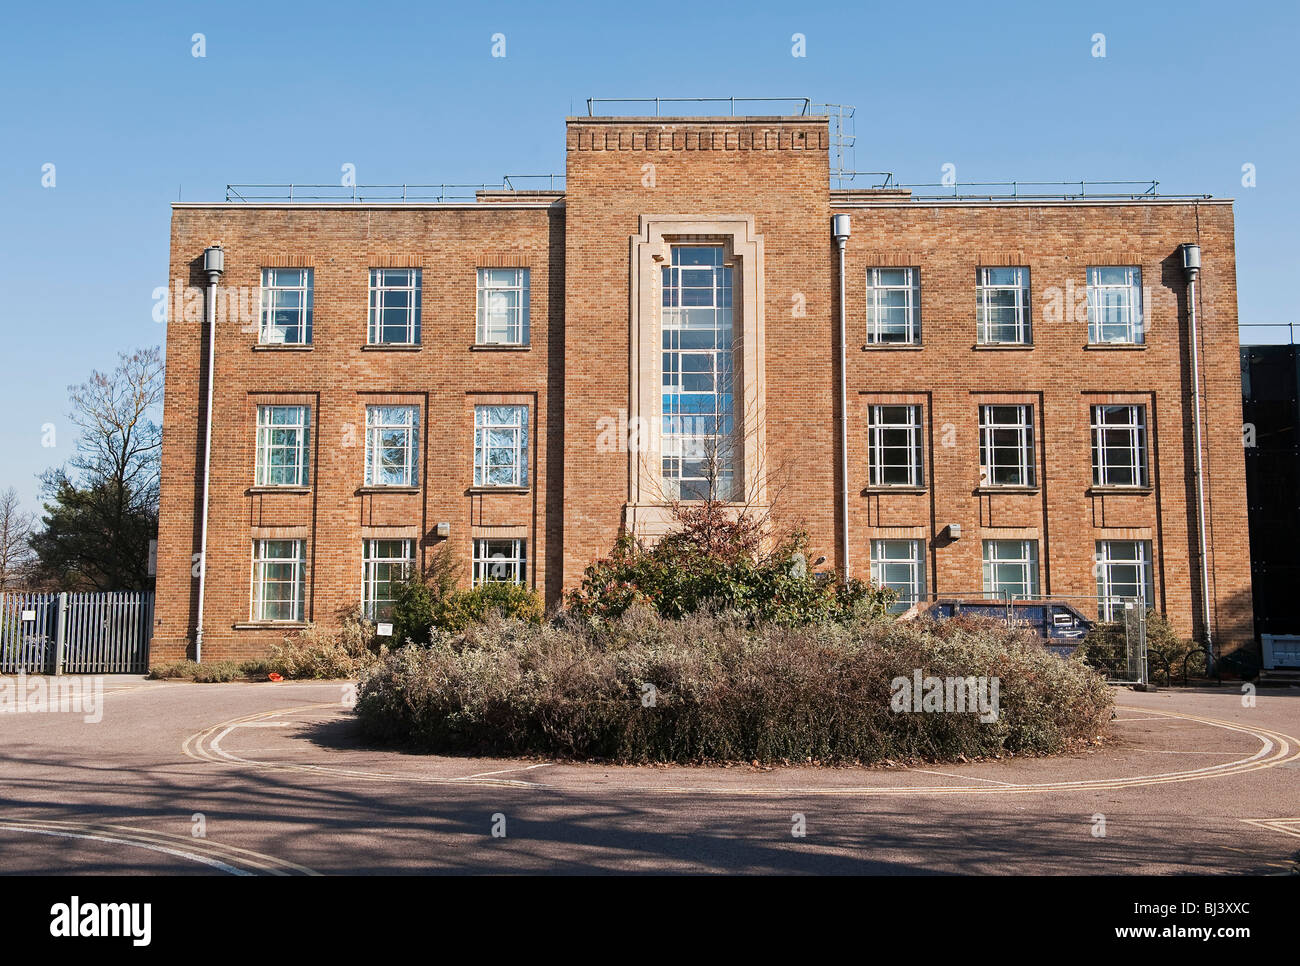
(893, 489)
(893, 346)
(388, 489)
(500, 489)
(1120, 490)
(391, 347)
(286, 347)
(476, 347)
(1003, 346)
(269, 625)
(1020, 490)
(1115, 346)
(278, 489)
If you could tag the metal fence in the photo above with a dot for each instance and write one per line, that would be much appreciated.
(1115, 627)
(91, 633)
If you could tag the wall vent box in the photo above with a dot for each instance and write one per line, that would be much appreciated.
(442, 530)
(954, 531)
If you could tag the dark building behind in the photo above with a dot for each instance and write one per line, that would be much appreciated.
(1270, 386)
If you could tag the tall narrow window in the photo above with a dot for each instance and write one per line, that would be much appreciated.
(1006, 445)
(395, 306)
(900, 566)
(893, 306)
(1119, 446)
(699, 425)
(1010, 568)
(278, 567)
(1115, 305)
(1123, 576)
(503, 306)
(501, 446)
(1002, 306)
(499, 560)
(283, 446)
(392, 446)
(286, 306)
(894, 445)
(385, 564)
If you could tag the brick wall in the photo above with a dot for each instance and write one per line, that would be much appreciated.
(445, 378)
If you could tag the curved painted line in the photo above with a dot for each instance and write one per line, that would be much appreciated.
(60, 833)
(205, 745)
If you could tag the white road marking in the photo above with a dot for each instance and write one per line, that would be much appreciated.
(485, 774)
(961, 777)
(214, 863)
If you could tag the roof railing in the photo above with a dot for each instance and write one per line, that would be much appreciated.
(799, 106)
(880, 179)
(366, 193)
(1032, 190)
(1292, 333)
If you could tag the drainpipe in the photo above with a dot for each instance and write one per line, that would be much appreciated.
(214, 263)
(840, 229)
(1191, 269)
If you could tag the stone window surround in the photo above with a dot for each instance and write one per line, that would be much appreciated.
(645, 513)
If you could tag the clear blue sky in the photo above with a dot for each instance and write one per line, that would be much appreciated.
(110, 93)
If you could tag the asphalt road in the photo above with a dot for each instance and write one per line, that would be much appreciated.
(275, 779)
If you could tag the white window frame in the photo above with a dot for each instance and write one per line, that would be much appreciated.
(379, 287)
(882, 564)
(1133, 329)
(297, 569)
(912, 306)
(270, 334)
(699, 442)
(500, 559)
(514, 330)
(370, 564)
(1022, 427)
(486, 430)
(1110, 606)
(1025, 557)
(876, 449)
(379, 422)
(985, 289)
(1135, 445)
(301, 446)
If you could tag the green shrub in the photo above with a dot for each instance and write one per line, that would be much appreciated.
(430, 600)
(723, 689)
(718, 560)
(420, 598)
(416, 601)
(459, 610)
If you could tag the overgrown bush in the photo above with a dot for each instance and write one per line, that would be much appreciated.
(322, 653)
(312, 652)
(639, 688)
(210, 673)
(719, 560)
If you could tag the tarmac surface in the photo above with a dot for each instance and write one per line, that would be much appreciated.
(277, 781)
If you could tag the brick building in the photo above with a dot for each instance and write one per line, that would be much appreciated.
(521, 376)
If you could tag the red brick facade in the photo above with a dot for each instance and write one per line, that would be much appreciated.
(770, 176)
